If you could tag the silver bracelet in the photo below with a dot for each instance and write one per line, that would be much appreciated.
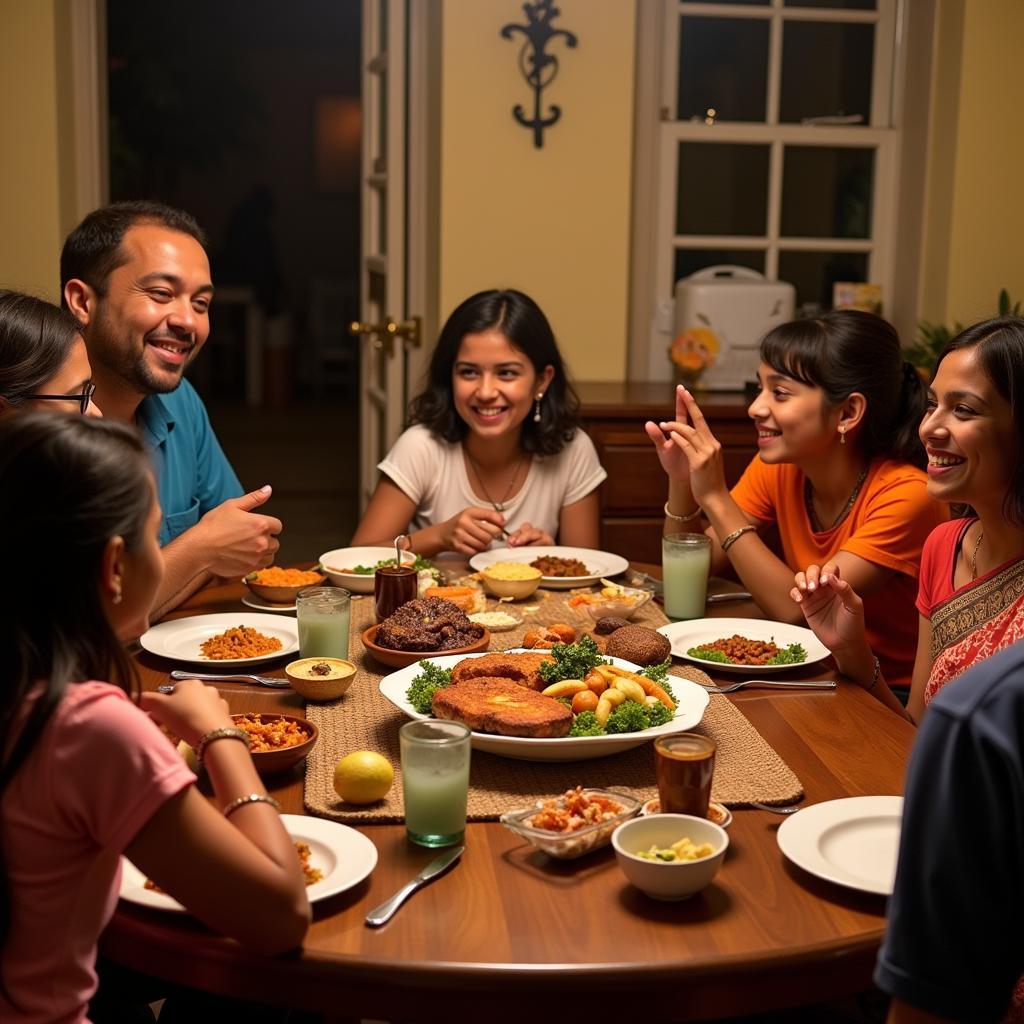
(874, 677)
(225, 732)
(729, 539)
(695, 514)
(251, 798)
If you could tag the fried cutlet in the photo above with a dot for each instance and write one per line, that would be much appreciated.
(498, 705)
(523, 669)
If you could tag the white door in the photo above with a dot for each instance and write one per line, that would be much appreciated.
(399, 75)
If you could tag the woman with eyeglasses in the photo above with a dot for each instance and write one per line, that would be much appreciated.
(43, 361)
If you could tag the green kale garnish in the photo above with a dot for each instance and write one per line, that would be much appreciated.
(794, 654)
(572, 661)
(420, 564)
(585, 724)
(423, 687)
(710, 654)
(627, 717)
(658, 714)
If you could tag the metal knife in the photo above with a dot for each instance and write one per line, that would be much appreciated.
(738, 595)
(380, 915)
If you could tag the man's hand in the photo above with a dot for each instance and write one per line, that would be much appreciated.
(236, 538)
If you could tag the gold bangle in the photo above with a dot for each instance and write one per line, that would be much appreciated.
(695, 514)
(226, 732)
(874, 677)
(730, 539)
(250, 798)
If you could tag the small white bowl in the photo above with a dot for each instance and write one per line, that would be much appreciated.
(668, 880)
(334, 562)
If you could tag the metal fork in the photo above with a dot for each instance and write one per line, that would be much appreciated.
(780, 684)
(234, 677)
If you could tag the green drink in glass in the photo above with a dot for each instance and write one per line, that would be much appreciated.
(323, 615)
(435, 779)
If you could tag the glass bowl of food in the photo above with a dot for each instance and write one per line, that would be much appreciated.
(611, 600)
(577, 822)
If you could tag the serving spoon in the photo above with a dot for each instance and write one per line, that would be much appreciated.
(775, 684)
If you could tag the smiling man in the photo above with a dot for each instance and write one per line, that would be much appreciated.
(137, 277)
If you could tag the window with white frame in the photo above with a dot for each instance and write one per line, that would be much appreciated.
(776, 147)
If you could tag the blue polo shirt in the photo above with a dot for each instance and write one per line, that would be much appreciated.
(192, 473)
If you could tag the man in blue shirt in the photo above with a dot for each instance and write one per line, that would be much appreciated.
(954, 946)
(137, 277)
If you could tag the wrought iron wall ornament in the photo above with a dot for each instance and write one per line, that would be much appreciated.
(535, 65)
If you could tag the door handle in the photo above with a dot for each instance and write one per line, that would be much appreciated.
(410, 331)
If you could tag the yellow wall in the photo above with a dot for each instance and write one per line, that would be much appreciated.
(553, 222)
(975, 222)
(30, 196)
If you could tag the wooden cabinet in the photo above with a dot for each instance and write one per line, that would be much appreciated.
(633, 496)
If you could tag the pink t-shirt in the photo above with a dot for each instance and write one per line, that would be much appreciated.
(98, 772)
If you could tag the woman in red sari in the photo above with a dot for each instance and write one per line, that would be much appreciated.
(971, 592)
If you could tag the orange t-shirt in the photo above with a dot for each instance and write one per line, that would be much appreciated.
(887, 525)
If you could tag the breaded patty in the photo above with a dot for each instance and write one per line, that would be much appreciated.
(523, 669)
(498, 705)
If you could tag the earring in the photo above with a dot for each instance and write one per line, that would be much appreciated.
(842, 435)
(536, 407)
(116, 599)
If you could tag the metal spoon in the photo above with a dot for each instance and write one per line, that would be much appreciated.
(233, 677)
(789, 809)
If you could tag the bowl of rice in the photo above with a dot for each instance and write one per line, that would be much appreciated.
(511, 580)
(277, 742)
(281, 586)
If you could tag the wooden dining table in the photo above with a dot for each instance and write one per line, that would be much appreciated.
(511, 934)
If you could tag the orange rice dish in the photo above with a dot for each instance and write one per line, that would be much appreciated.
(239, 642)
(310, 873)
(275, 576)
(274, 734)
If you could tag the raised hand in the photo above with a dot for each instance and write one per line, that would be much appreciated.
(529, 535)
(672, 458)
(236, 538)
(831, 607)
(702, 451)
(472, 530)
(190, 712)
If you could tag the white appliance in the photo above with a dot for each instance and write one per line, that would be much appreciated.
(733, 307)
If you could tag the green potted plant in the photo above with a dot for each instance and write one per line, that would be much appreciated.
(932, 338)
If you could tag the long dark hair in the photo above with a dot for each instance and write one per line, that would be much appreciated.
(68, 484)
(846, 351)
(521, 320)
(1000, 344)
(35, 341)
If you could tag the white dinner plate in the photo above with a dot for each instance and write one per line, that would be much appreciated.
(853, 842)
(180, 639)
(698, 632)
(333, 562)
(600, 563)
(691, 700)
(266, 606)
(344, 855)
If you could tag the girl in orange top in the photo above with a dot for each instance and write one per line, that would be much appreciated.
(838, 471)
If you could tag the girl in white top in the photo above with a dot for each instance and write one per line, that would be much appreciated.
(495, 455)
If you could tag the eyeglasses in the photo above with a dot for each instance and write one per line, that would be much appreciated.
(83, 400)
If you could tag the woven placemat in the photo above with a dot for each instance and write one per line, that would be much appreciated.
(746, 767)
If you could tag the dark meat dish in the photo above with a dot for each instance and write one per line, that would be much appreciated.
(549, 565)
(427, 624)
(496, 705)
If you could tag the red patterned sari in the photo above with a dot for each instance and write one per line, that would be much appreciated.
(975, 623)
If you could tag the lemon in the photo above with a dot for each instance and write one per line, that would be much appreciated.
(362, 777)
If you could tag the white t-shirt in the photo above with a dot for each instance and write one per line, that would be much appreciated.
(432, 473)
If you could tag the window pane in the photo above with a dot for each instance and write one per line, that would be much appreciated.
(849, 5)
(722, 189)
(748, 3)
(826, 70)
(814, 273)
(723, 67)
(826, 192)
(689, 261)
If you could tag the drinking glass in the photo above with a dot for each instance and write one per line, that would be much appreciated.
(684, 765)
(323, 614)
(685, 564)
(393, 586)
(435, 778)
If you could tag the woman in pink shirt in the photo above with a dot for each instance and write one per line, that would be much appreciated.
(86, 774)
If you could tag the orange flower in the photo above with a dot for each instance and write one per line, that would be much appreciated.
(694, 349)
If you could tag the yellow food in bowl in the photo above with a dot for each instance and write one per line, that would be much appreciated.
(682, 849)
(512, 571)
(320, 678)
